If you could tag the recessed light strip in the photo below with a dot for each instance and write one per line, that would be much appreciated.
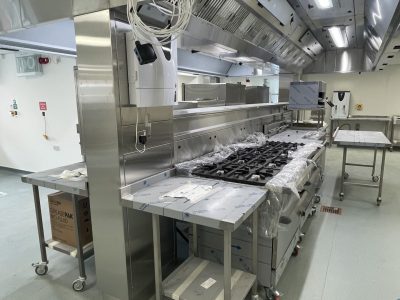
(324, 4)
(337, 37)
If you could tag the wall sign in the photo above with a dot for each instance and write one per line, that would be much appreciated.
(43, 105)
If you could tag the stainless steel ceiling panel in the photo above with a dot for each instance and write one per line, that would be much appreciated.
(341, 8)
(10, 15)
(310, 44)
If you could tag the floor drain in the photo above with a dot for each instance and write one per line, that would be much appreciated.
(331, 210)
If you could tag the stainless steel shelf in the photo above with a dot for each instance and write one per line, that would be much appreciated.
(194, 280)
(69, 250)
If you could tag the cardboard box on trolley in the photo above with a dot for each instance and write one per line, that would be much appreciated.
(62, 219)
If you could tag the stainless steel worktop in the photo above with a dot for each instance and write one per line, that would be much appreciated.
(356, 138)
(45, 179)
(224, 207)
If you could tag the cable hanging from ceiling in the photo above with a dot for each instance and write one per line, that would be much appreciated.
(178, 11)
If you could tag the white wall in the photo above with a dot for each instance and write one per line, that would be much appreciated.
(22, 145)
(379, 91)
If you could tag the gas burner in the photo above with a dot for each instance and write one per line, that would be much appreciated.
(255, 166)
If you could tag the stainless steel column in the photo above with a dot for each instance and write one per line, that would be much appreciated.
(227, 264)
(98, 89)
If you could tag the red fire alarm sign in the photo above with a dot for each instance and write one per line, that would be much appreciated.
(43, 105)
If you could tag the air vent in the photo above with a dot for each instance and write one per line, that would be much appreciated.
(385, 64)
(390, 56)
(397, 47)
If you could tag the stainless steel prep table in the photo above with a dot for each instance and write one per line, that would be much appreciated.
(76, 189)
(224, 207)
(351, 119)
(368, 140)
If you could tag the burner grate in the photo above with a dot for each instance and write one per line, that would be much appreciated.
(255, 166)
(331, 210)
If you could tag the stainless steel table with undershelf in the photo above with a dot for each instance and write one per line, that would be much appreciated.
(213, 203)
(77, 189)
(367, 140)
(385, 120)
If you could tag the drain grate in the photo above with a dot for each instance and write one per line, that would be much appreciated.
(331, 210)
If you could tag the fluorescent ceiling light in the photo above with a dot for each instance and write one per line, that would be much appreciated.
(338, 37)
(324, 4)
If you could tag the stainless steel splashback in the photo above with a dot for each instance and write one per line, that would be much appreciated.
(199, 131)
(231, 93)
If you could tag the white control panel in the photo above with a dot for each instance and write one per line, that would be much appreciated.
(341, 104)
(152, 84)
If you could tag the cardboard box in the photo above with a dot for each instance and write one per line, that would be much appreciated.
(62, 219)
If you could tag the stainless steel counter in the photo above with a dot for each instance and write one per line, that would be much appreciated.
(45, 179)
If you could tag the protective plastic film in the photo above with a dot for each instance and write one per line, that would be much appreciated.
(221, 153)
(283, 190)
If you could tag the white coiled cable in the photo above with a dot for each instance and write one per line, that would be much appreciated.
(180, 13)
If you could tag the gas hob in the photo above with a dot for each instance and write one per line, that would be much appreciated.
(255, 166)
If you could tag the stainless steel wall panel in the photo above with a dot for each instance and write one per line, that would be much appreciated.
(155, 114)
(161, 133)
(141, 165)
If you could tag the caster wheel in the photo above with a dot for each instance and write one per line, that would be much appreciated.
(296, 251)
(379, 201)
(78, 285)
(375, 178)
(317, 199)
(341, 196)
(346, 175)
(41, 270)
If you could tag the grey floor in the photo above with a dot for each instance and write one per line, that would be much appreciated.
(351, 256)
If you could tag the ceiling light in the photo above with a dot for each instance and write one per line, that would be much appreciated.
(338, 37)
(324, 4)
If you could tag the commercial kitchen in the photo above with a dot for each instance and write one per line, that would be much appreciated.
(200, 149)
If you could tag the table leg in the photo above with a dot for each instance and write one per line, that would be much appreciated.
(195, 241)
(255, 253)
(343, 173)
(80, 282)
(227, 264)
(379, 200)
(39, 221)
(79, 246)
(157, 255)
(374, 163)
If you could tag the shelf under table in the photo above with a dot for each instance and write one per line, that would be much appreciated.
(70, 250)
(194, 280)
